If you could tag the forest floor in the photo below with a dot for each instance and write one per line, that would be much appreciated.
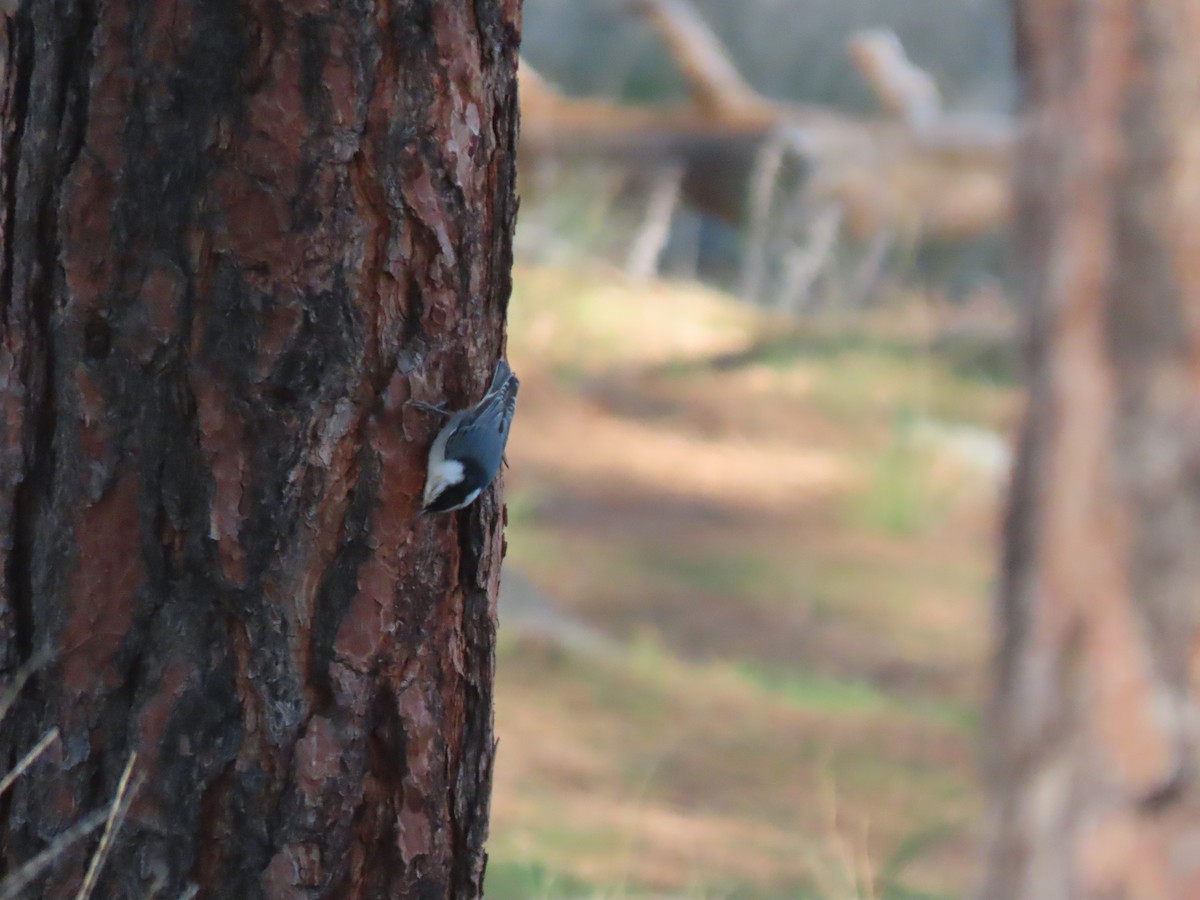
(744, 628)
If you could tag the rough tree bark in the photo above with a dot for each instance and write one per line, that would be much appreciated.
(1093, 738)
(237, 236)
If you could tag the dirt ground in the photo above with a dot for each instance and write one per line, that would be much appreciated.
(744, 626)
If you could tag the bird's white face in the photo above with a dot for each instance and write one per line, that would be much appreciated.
(441, 476)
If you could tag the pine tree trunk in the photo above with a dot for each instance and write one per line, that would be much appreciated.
(237, 236)
(1093, 738)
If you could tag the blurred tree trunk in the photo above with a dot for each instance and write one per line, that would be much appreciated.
(1093, 735)
(237, 237)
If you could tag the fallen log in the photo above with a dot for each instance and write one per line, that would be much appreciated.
(914, 169)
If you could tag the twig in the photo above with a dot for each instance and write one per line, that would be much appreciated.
(29, 759)
(116, 816)
(12, 886)
(9, 694)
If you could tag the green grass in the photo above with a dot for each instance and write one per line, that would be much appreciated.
(900, 497)
(848, 696)
(805, 690)
(517, 880)
(531, 545)
(736, 571)
(512, 879)
(978, 361)
(522, 509)
(862, 374)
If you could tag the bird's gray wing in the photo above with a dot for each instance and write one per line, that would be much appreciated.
(487, 423)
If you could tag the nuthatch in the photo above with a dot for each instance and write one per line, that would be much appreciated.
(468, 451)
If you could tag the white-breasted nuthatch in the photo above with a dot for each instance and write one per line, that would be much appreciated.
(468, 451)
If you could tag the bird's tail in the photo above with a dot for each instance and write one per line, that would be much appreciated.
(502, 391)
(500, 376)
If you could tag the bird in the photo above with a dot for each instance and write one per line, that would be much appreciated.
(469, 450)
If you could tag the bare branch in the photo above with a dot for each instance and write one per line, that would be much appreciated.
(715, 83)
(903, 89)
